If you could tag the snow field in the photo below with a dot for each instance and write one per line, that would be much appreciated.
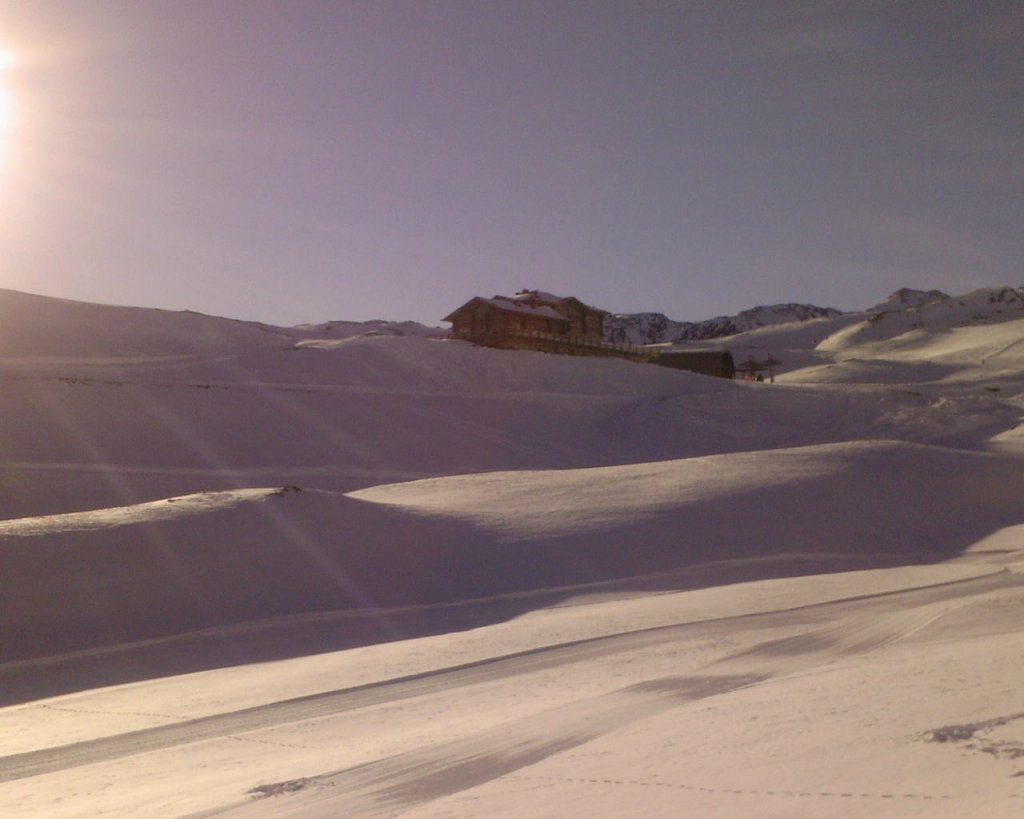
(511, 584)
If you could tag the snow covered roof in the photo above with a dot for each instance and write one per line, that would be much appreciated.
(537, 296)
(541, 297)
(512, 305)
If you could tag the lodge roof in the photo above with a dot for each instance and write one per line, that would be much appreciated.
(527, 302)
(507, 305)
(537, 296)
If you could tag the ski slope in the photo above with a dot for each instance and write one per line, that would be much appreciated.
(360, 570)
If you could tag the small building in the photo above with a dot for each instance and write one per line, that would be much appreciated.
(509, 321)
(754, 370)
(707, 362)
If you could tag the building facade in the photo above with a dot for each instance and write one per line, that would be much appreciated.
(512, 321)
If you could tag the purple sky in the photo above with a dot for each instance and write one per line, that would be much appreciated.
(305, 160)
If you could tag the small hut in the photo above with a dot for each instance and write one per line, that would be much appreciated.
(754, 370)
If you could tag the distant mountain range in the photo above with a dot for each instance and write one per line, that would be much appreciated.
(375, 327)
(656, 328)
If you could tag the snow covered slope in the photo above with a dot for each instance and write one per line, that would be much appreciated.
(974, 337)
(912, 337)
(39, 327)
(819, 500)
(335, 536)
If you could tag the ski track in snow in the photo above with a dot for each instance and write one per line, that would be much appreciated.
(851, 626)
(390, 786)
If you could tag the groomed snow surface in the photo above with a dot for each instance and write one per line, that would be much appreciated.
(357, 570)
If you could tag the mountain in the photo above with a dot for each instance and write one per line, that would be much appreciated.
(375, 327)
(905, 298)
(656, 328)
(984, 302)
(901, 334)
(895, 340)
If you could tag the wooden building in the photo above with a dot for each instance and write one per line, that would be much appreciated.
(534, 320)
(529, 315)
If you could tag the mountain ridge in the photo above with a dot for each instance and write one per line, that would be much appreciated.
(656, 328)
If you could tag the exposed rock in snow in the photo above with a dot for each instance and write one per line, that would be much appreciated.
(641, 328)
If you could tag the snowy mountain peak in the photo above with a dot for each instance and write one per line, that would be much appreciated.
(978, 304)
(655, 328)
(907, 297)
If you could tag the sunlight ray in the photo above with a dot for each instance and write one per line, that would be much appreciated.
(209, 454)
(7, 113)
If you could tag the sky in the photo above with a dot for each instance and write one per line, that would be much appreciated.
(311, 160)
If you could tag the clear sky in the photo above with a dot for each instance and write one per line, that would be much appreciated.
(305, 160)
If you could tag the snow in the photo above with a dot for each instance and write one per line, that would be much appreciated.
(152, 512)
(345, 569)
(536, 295)
(526, 305)
(825, 497)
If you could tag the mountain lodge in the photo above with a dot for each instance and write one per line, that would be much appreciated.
(528, 312)
(535, 320)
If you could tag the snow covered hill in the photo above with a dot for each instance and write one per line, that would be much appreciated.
(974, 337)
(322, 538)
(802, 336)
(927, 325)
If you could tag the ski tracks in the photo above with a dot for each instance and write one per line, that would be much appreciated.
(390, 786)
(837, 631)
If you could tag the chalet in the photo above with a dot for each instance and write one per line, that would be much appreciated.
(534, 320)
(509, 321)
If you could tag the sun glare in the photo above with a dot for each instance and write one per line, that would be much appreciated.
(7, 61)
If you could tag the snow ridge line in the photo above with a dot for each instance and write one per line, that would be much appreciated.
(109, 517)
